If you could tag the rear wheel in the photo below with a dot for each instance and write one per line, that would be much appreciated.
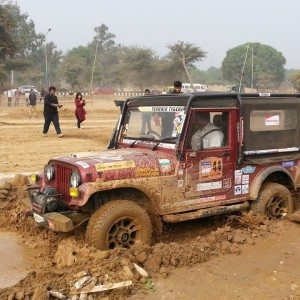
(274, 201)
(119, 223)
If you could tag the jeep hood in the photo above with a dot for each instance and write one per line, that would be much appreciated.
(123, 163)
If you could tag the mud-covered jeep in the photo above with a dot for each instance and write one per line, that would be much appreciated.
(174, 158)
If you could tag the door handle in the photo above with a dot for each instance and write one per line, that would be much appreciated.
(226, 154)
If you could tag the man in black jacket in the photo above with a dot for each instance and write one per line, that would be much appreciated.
(32, 103)
(50, 111)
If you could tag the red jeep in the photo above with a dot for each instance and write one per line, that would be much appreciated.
(174, 158)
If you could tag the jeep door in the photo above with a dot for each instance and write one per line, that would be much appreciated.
(209, 167)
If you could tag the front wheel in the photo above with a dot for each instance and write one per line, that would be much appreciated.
(119, 224)
(274, 201)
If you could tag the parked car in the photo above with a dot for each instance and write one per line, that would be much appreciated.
(250, 161)
(27, 88)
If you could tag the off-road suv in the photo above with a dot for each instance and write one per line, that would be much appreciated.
(163, 165)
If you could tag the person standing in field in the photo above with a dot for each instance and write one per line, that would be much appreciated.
(17, 97)
(79, 110)
(32, 103)
(10, 95)
(51, 106)
(146, 118)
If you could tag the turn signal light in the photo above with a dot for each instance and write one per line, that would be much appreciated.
(73, 192)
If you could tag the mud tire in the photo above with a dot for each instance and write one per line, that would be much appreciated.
(104, 221)
(274, 201)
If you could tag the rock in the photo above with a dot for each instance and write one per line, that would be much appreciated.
(74, 297)
(4, 192)
(40, 293)
(141, 257)
(225, 247)
(140, 270)
(2, 197)
(19, 180)
(57, 295)
(249, 240)
(101, 255)
(82, 282)
(20, 295)
(165, 261)
(127, 272)
(164, 275)
(80, 274)
(173, 262)
(83, 296)
(163, 270)
(235, 249)
(238, 238)
(153, 262)
(11, 296)
(5, 186)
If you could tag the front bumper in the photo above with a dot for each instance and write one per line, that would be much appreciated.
(47, 209)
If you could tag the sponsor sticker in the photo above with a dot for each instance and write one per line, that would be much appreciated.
(146, 172)
(245, 189)
(248, 169)
(245, 179)
(288, 164)
(271, 120)
(165, 165)
(211, 168)
(237, 189)
(205, 186)
(116, 165)
(227, 183)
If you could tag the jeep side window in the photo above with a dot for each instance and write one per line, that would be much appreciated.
(209, 130)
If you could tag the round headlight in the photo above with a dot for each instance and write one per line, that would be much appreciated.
(75, 179)
(49, 172)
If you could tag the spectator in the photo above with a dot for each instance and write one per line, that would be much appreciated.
(10, 95)
(43, 93)
(50, 112)
(32, 103)
(177, 87)
(79, 110)
(17, 97)
(27, 98)
(146, 118)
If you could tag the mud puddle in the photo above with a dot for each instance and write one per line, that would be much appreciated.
(14, 259)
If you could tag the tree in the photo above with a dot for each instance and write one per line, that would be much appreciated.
(268, 65)
(295, 81)
(7, 44)
(102, 46)
(186, 55)
(75, 66)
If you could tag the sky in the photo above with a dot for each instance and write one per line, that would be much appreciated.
(213, 25)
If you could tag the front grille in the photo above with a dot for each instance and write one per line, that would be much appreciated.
(63, 181)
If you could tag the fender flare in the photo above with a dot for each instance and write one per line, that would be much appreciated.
(260, 178)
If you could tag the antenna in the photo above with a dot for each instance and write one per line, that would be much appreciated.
(252, 69)
(243, 69)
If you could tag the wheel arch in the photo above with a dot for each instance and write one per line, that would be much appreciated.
(273, 174)
(99, 198)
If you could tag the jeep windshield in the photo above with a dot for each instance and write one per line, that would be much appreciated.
(154, 123)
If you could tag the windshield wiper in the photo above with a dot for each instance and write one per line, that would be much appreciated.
(139, 139)
(167, 138)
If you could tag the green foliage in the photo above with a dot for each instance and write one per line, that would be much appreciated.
(75, 66)
(268, 65)
(295, 81)
(7, 44)
(211, 76)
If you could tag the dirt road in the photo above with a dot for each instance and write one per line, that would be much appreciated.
(197, 260)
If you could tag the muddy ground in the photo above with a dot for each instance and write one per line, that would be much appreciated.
(229, 257)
